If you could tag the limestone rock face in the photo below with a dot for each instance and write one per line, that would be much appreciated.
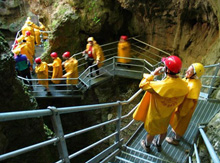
(189, 29)
(12, 15)
(14, 97)
(73, 21)
(213, 133)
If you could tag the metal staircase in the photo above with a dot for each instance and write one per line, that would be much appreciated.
(120, 151)
(111, 68)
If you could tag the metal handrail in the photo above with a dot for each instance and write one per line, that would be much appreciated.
(48, 112)
(151, 46)
(209, 146)
(17, 35)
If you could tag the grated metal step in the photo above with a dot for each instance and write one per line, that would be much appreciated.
(129, 154)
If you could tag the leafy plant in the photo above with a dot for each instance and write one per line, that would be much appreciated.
(48, 131)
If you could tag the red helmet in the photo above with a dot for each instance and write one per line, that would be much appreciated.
(38, 60)
(28, 33)
(124, 38)
(54, 55)
(66, 54)
(173, 63)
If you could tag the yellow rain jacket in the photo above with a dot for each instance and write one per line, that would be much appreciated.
(43, 28)
(29, 40)
(159, 102)
(42, 73)
(57, 70)
(25, 28)
(124, 51)
(29, 26)
(37, 36)
(97, 53)
(26, 51)
(71, 67)
(183, 114)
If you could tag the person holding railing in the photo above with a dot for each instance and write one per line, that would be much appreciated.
(93, 55)
(22, 66)
(43, 28)
(160, 100)
(183, 114)
(57, 68)
(41, 70)
(71, 68)
(124, 50)
(39, 34)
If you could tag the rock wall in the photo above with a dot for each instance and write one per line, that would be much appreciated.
(15, 97)
(189, 29)
(12, 16)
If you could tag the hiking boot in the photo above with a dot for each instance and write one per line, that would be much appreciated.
(146, 148)
(154, 142)
(172, 140)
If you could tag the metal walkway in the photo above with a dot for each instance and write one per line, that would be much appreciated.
(111, 68)
(133, 152)
(119, 152)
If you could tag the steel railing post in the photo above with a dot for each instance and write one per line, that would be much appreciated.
(57, 125)
(118, 123)
(209, 146)
(213, 80)
(114, 65)
(90, 78)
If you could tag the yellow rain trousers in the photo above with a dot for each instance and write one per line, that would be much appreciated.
(159, 102)
(123, 51)
(71, 67)
(183, 114)
(42, 73)
(57, 70)
(97, 53)
(37, 36)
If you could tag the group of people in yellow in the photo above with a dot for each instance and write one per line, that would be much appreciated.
(31, 35)
(169, 101)
(71, 68)
(93, 55)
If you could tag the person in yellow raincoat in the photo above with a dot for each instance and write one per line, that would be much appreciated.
(183, 114)
(94, 55)
(41, 70)
(26, 44)
(57, 68)
(71, 68)
(29, 26)
(159, 101)
(39, 32)
(124, 50)
(37, 36)
(43, 28)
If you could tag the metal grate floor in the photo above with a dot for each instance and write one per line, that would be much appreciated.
(179, 154)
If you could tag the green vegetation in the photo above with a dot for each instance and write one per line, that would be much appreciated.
(91, 9)
(48, 132)
(46, 45)
(62, 11)
(54, 24)
(55, 4)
